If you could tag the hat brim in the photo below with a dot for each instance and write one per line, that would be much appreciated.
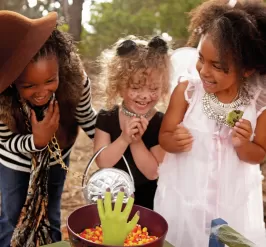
(28, 47)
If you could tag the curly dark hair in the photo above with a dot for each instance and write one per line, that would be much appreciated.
(59, 43)
(238, 33)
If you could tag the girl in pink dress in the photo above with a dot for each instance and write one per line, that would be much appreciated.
(212, 168)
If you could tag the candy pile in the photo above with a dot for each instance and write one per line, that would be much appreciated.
(138, 236)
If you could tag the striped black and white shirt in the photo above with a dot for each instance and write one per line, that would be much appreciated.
(16, 149)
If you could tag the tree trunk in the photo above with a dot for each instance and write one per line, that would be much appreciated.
(2, 4)
(65, 9)
(75, 14)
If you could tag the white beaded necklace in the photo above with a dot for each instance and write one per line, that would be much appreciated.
(133, 114)
(216, 110)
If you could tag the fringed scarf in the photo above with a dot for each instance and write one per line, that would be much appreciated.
(33, 228)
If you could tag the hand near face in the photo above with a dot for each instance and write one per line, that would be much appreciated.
(242, 133)
(44, 130)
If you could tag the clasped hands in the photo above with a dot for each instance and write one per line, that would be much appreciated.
(134, 128)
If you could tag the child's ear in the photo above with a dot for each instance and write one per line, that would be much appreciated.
(248, 73)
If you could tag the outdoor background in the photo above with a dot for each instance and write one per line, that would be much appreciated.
(95, 25)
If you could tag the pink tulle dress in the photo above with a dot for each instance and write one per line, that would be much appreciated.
(209, 181)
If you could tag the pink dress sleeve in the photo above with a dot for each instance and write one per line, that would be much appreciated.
(191, 90)
(258, 92)
(260, 101)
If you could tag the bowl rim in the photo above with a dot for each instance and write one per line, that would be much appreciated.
(95, 204)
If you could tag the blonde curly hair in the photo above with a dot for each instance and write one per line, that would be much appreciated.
(126, 57)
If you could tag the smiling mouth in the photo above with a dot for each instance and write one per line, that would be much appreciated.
(208, 82)
(39, 98)
(142, 103)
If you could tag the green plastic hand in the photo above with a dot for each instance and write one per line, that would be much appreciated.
(115, 225)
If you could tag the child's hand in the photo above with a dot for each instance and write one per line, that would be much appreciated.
(242, 133)
(183, 139)
(142, 126)
(130, 129)
(44, 130)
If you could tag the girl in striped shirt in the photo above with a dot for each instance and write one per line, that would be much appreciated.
(50, 99)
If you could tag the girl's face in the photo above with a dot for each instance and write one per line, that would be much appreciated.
(144, 91)
(39, 80)
(212, 75)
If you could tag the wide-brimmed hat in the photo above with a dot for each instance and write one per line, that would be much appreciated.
(20, 39)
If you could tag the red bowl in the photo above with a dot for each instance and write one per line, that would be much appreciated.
(87, 217)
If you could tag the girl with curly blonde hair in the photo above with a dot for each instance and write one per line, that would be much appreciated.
(136, 73)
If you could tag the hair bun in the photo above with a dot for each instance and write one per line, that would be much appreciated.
(126, 47)
(159, 44)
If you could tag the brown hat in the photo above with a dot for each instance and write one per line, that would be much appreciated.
(20, 39)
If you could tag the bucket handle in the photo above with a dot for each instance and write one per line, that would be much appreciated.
(92, 160)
